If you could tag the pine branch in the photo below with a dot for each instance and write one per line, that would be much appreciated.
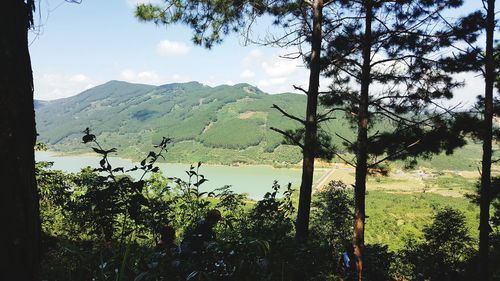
(346, 161)
(293, 117)
(301, 89)
(344, 139)
(398, 118)
(402, 58)
(290, 137)
(394, 154)
(324, 117)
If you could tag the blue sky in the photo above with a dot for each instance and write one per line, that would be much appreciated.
(78, 46)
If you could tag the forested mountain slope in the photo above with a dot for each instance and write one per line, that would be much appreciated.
(223, 124)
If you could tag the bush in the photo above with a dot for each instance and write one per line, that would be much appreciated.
(445, 252)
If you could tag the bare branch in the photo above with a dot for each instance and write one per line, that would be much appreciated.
(293, 117)
(344, 139)
(324, 117)
(394, 154)
(401, 58)
(290, 137)
(300, 89)
(345, 160)
(398, 118)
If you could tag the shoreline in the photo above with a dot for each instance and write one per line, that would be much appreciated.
(91, 154)
(319, 165)
(415, 180)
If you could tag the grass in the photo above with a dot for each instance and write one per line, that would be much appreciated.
(393, 217)
(401, 205)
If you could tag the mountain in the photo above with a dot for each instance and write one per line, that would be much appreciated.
(219, 125)
(223, 124)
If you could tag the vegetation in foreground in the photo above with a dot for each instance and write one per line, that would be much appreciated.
(104, 225)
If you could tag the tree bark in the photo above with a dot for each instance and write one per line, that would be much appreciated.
(18, 193)
(311, 127)
(362, 146)
(484, 212)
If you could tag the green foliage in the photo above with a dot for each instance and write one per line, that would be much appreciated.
(54, 190)
(225, 124)
(445, 252)
(379, 263)
(393, 216)
(93, 230)
(324, 148)
(332, 216)
(331, 229)
(106, 221)
(409, 91)
(271, 218)
(217, 136)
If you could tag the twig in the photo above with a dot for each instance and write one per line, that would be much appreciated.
(301, 89)
(293, 117)
(288, 136)
(394, 154)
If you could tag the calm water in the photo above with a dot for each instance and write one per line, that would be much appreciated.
(254, 180)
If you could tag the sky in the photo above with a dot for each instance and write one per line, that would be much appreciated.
(79, 46)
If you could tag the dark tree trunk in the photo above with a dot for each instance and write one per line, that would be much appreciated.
(19, 250)
(484, 213)
(362, 149)
(311, 127)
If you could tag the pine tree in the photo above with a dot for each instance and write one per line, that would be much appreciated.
(390, 51)
(480, 57)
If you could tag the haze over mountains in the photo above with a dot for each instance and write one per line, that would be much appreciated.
(223, 124)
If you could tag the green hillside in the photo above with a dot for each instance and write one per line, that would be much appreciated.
(223, 124)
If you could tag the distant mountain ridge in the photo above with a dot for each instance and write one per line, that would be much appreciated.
(219, 125)
(223, 124)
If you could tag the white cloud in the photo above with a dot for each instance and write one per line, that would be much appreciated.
(49, 86)
(128, 74)
(172, 48)
(177, 78)
(247, 74)
(279, 66)
(466, 96)
(229, 82)
(151, 77)
(210, 81)
(148, 76)
(144, 77)
(252, 58)
(79, 78)
(264, 83)
(273, 73)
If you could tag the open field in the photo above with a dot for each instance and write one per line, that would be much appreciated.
(401, 204)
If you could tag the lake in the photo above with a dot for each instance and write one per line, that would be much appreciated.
(253, 180)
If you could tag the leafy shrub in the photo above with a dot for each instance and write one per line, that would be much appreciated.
(445, 252)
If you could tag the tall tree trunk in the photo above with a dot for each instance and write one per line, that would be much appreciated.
(362, 146)
(18, 194)
(311, 128)
(484, 213)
